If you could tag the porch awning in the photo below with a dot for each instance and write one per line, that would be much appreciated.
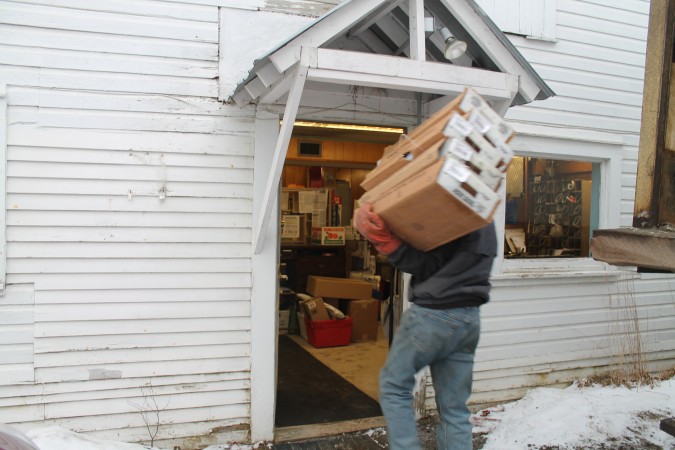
(383, 44)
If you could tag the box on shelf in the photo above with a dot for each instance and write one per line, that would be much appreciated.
(364, 319)
(302, 325)
(284, 319)
(437, 205)
(338, 287)
(328, 235)
(329, 333)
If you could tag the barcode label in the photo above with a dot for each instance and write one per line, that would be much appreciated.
(458, 126)
(461, 150)
(480, 122)
(456, 170)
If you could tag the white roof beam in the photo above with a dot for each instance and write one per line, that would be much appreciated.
(268, 74)
(483, 35)
(324, 30)
(272, 186)
(373, 43)
(242, 98)
(392, 28)
(416, 15)
(431, 75)
(356, 31)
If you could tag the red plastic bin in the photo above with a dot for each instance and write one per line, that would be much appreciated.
(329, 333)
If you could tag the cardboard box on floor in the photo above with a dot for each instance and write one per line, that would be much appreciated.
(437, 205)
(333, 287)
(315, 309)
(364, 319)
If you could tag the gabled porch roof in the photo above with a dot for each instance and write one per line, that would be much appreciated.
(387, 44)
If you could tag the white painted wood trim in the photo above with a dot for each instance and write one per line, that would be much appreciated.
(366, 25)
(491, 45)
(3, 187)
(416, 14)
(344, 67)
(321, 32)
(264, 293)
(272, 188)
(240, 4)
(610, 157)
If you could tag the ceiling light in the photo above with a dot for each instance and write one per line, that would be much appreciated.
(454, 48)
(341, 126)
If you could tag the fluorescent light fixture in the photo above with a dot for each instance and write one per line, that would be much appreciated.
(342, 126)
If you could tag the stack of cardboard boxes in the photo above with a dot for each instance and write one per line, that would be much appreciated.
(440, 182)
(320, 318)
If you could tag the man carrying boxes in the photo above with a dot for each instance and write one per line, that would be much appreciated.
(432, 218)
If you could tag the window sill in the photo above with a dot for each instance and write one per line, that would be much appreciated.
(561, 270)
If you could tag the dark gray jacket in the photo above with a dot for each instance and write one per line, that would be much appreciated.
(453, 275)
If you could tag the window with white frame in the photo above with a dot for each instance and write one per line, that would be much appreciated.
(531, 18)
(557, 191)
(549, 206)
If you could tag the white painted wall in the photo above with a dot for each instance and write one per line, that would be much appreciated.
(130, 196)
(129, 193)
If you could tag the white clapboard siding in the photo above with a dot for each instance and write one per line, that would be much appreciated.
(128, 250)
(43, 38)
(149, 8)
(147, 326)
(120, 22)
(119, 388)
(303, 7)
(596, 67)
(123, 187)
(130, 207)
(17, 328)
(533, 337)
(121, 342)
(104, 62)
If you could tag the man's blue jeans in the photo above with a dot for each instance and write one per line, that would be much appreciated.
(445, 340)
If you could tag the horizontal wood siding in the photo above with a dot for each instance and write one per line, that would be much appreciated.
(555, 332)
(129, 193)
(596, 68)
(530, 339)
(312, 8)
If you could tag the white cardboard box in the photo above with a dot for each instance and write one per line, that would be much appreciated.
(483, 168)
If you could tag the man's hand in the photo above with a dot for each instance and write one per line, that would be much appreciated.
(373, 228)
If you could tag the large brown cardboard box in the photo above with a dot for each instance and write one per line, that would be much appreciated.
(402, 169)
(338, 287)
(470, 105)
(437, 205)
(364, 319)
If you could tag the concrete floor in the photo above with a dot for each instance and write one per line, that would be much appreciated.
(359, 363)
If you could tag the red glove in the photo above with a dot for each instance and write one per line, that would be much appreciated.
(373, 228)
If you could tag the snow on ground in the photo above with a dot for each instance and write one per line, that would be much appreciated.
(575, 417)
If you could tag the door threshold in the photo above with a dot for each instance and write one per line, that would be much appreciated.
(303, 432)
